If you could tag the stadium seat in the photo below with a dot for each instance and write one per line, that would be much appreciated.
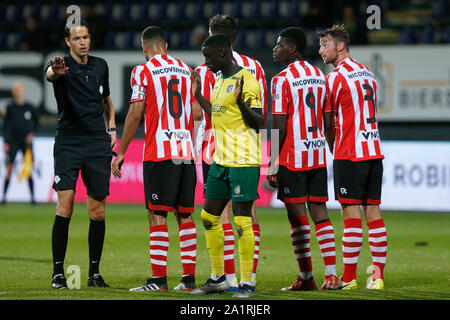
(232, 8)
(110, 39)
(439, 8)
(239, 42)
(445, 35)
(14, 13)
(269, 9)
(407, 35)
(50, 12)
(271, 37)
(211, 8)
(255, 12)
(142, 14)
(30, 10)
(18, 40)
(259, 39)
(184, 37)
(121, 12)
(105, 10)
(3, 40)
(289, 9)
(195, 10)
(162, 10)
(426, 35)
(128, 41)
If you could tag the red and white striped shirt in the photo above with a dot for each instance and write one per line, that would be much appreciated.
(299, 92)
(205, 137)
(164, 84)
(352, 90)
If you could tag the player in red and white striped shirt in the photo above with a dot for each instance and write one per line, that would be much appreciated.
(298, 95)
(351, 111)
(227, 25)
(162, 90)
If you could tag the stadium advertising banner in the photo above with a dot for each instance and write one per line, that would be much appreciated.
(416, 88)
(413, 81)
(416, 177)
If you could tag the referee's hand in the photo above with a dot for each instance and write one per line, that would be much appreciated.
(117, 166)
(59, 66)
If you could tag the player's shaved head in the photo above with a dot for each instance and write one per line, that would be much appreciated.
(295, 36)
(217, 42)
(153, 35)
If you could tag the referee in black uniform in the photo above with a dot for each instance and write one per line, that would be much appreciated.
(85, 139)
(19, 126)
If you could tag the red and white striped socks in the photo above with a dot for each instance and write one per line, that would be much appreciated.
(378, 247)
(325, 238)
(257, 233)
(159, 245)
(228, 251)
(300, 238)
(351, 247)
(352, 243)
(188, 247)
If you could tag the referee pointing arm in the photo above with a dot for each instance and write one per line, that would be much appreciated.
(85, 139)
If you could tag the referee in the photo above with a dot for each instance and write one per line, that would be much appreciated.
(85, 138)
(19, 126)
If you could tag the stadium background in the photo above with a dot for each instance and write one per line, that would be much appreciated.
(409, 55)
(413, 44)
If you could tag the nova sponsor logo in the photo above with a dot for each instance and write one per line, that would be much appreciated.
(372, 135)
(314, 144)
(179, 134)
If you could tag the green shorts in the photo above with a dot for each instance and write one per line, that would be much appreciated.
(237, 183)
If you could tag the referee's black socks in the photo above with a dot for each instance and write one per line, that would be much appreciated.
(95, 239)
(5, 189)
(60, 234)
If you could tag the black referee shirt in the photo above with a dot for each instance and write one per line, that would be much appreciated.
(79, 95)
(20, 120)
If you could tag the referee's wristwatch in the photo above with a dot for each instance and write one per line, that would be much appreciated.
(112, 130)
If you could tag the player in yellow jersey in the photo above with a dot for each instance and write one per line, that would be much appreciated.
(236, 116)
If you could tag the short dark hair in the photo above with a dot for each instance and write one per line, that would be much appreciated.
(295, 36)
(153, 33)
(224, 24)
(67, 28)
(217, 41)
(338, 33)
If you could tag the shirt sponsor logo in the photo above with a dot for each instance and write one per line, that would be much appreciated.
(177, 134)
(358, 74)
(371, 135)
(160, 71)
(217, 108)
(314, 144)
(308, 81)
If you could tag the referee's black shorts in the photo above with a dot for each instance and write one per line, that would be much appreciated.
(90, 154)
(14, 147)
(358, 182)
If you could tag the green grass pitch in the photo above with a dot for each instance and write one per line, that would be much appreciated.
(418, 263)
